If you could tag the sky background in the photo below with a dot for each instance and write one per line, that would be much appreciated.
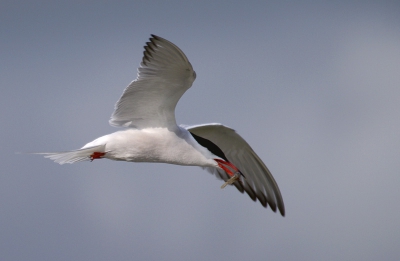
(314, 87)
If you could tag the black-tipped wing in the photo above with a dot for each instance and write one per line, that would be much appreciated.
(258, 182)
(163, 77)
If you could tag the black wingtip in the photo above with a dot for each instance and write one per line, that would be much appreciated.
(282, 211)
(153, 36)
(149, 48)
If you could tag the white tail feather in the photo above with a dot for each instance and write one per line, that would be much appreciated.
(73, 156)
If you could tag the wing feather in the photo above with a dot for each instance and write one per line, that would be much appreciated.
(164, 75)
(258, 182)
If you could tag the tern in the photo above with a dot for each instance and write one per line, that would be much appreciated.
(147, 111)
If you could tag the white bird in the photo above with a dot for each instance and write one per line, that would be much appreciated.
(147, 110)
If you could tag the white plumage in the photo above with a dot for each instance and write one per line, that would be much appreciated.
(147, 110)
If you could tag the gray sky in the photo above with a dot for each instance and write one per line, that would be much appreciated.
(313, 87)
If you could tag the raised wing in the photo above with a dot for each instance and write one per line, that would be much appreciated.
(258, 182)
(163, 77)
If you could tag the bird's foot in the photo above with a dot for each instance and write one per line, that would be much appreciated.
(232, 180)
(97, 155)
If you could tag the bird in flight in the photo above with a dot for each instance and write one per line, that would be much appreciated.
(147, 111)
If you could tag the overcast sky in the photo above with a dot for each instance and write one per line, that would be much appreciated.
(313, 87)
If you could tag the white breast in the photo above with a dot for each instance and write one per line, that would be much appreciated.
(155, 145)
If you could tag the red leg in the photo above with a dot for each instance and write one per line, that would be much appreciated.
(97, 155)
(223, 165)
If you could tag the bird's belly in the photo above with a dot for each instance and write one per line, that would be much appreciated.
(154, 146)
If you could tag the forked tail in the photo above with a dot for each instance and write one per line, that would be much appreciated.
(83, 154)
